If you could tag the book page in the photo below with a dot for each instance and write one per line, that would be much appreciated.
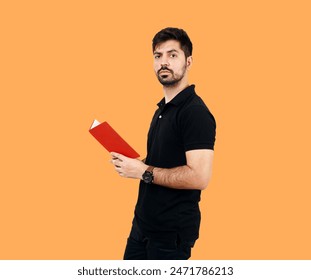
(95, 123)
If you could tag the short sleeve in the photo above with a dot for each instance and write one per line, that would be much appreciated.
(198, 128)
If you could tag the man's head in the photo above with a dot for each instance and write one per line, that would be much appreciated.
(172, 50)
(171, 33)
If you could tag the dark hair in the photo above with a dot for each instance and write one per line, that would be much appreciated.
(171, 33)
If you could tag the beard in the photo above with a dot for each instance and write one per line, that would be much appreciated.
(170, 79)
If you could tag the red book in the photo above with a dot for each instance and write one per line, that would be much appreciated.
(111, 140)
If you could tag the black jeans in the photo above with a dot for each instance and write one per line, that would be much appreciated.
(140, 247)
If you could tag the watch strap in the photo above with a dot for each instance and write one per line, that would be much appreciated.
(150, 169)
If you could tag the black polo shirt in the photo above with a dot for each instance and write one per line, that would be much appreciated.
(181, 125)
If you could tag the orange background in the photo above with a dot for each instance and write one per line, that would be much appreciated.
(64, 63)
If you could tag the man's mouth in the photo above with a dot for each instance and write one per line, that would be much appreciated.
(164, 72)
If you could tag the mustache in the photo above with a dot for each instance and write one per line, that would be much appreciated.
(164, 68)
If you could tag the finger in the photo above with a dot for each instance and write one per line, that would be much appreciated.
(112, 161)
(122, 175)
(119, 156)
(113, 156)
(116, 162)
(117, 168)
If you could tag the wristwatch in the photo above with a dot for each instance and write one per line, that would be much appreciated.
(148, 175)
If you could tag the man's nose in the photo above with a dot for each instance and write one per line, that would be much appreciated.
(164, 61)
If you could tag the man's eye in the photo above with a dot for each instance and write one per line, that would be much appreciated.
(156, 56)
(173, 55)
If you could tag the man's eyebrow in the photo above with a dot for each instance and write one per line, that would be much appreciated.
(170, 51)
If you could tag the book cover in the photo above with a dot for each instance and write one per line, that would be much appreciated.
(111, 140)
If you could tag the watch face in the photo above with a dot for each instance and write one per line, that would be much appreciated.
(147, 177)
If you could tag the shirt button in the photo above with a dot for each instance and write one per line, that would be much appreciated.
(160, 117)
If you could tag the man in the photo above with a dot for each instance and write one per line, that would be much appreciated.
(179, 159)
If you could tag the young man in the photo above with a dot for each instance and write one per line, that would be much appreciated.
(179, 159)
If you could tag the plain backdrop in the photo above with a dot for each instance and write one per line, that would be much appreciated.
(65, 63)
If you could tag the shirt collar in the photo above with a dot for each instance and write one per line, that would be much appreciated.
(180, 97)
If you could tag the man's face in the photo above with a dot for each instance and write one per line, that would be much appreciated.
(170, 63)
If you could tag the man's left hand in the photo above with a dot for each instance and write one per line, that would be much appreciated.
(128, 167)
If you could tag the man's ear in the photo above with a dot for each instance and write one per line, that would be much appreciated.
(189, 61)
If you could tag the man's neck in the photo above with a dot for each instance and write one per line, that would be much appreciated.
(171, 91)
